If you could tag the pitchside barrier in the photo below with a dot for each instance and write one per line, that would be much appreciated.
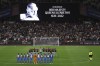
(48, 41)
(82, 43)
(45, 41)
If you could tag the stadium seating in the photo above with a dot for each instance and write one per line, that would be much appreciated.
(68, 32)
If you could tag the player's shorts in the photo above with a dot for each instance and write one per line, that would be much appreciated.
(18, 59)
(39, 59)
(51, 59)
(90, 55)
(24, 59)
(48, 59)
(44, 59)
(27, 59)
(21, 59)
(31, 59)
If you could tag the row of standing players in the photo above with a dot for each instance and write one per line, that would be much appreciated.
(35, 58)
(43, 49)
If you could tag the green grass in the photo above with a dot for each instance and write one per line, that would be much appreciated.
(65, 56)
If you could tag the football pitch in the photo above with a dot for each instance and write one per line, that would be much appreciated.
(65, 55)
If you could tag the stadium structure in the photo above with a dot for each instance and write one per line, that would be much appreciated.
(55, 32)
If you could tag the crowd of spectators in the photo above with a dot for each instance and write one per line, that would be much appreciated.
(67, 32)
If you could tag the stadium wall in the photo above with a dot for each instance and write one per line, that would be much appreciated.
(61, 43)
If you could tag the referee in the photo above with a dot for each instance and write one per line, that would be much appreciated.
(90, 55)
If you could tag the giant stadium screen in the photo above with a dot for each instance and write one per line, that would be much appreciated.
(40, 12)
(48, 11)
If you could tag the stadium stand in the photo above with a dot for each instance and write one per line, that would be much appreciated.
(68, 32)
